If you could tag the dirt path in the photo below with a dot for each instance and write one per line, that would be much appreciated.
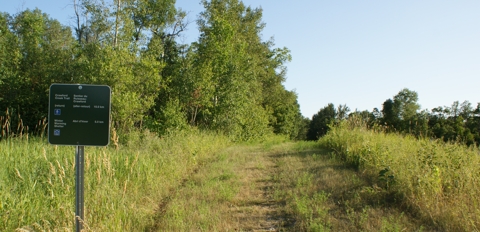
(233, 191)
(257, 210)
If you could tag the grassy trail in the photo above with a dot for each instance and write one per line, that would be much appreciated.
(256, 209)
(196, 183)
(231, 192)
(284, 187)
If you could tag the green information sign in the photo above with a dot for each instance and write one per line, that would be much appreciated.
(79, 115)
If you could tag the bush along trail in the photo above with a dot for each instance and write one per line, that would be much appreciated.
(282, 187)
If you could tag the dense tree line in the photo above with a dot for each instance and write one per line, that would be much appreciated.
(229, 80)
(459, 122)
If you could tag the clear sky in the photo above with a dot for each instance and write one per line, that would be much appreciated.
(357, 53)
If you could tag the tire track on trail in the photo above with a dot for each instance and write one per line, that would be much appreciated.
(256, 208)
(232, 192)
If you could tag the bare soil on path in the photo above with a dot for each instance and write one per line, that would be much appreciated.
(256, 208)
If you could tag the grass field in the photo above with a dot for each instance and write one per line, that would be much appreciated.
(353, 179)
(122, 186)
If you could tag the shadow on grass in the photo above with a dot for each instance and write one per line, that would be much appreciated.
(356, 200)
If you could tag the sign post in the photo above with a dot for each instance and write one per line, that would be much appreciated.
(79, 187)
(79, 115)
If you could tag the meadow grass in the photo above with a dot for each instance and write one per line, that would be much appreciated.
(436, 181)
(320, 192)
(199, 203)
(353, 179)
(123, 185)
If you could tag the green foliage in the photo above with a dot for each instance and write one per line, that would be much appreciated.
(321, 121)
(222, 53)
(455, 123)
(34, 52)
(390, 115)
(286, 118)
(399, 113)
(171, 119)
(134, 81)
(406, 104)
(237, 88)
(369, 118)
(229, 80)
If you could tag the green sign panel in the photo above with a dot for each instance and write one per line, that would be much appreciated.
(79, 115)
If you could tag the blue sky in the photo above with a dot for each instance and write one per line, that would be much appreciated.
(357, 53)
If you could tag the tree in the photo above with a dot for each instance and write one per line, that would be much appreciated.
(406, 103)
(286, 118)
(121, 54)
(319, 125)
(366, 117)
(237, 87)
(459, 123)
(400, 113)
(342, 112)
(230, 80)
(36, 51)
(390, 114)
(10, 58)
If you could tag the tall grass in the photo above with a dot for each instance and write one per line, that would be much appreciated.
(123, 185)
(11, 125)
(437, 181)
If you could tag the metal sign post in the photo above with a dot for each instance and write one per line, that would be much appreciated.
(79, 115)
(79, 187)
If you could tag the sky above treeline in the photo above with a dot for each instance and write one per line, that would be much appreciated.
(357, 53)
